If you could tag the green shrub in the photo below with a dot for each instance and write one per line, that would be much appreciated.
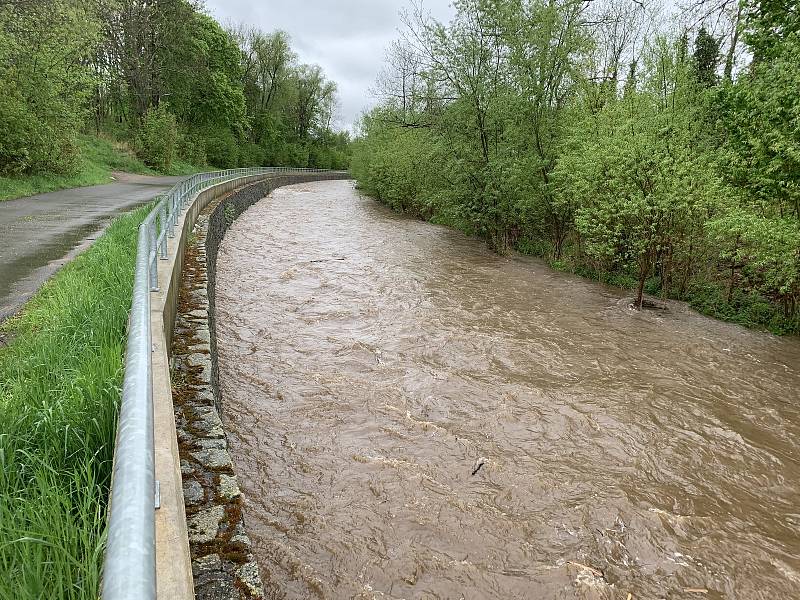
(296, 155)
(157, 141)
(748, 308)
(221, 148)
(192, 149)
(30, 143)
(251, 155)
(45, 82)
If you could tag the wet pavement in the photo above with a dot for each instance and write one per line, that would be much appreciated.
(40, 233)
(413, 416)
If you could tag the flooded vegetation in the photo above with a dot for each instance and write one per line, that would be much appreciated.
(414, 416)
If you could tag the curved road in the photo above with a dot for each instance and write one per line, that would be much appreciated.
(40, 233)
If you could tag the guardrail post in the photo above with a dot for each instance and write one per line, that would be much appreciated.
(172, 217)
(162, 236)
(152, 253)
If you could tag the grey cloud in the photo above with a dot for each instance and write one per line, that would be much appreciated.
(347, 39)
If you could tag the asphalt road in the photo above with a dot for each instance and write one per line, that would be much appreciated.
(40, 233)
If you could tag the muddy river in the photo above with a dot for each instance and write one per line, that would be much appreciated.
(412, 416)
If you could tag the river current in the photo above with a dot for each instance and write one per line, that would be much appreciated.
(413, 416)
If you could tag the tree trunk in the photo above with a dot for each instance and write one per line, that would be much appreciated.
(687, 269)
(644, 271)
(666, 273)
(731, 282)
(734, 41)
(640, 290)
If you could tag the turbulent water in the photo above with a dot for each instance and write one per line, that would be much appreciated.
(412, 416)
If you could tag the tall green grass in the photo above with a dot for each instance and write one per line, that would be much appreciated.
(60, 382)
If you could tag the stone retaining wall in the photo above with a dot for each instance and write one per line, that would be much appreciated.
(222, 562)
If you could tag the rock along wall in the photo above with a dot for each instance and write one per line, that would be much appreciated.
(222, 562)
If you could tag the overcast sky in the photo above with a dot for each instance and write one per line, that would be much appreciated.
(347, 38)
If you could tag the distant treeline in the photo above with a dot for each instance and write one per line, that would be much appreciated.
(163, 76)
(662, 158)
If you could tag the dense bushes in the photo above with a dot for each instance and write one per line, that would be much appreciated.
(222, 149)
(672, 179)
(44, 83)
(157, 141)
(251, 154)
(192, 149)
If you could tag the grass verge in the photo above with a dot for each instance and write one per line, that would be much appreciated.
(100, 156)
(60, 382)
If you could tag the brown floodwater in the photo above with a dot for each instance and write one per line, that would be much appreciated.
(369, 363)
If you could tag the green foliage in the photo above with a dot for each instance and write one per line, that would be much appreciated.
(99, 157)
(60, 381)
(748, 308)
(192, 148)
(203, 79)
(706, 58)
(637, 174)
(330, 151)
(238, 96)
(157, 141)
(44, 83)
(161, 76)
(222, 148)
(765, 251)
(511, 123)
(392, 166)
(251, 154)
(769, 23)
(761, 118)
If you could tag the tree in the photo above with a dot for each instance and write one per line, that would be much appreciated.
(770, 23)
(291, 106)
(44, 83)
(666, 175)
(761, 119)
(706, 58)
(158, 137)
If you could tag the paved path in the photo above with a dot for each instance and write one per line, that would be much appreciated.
(40, 233)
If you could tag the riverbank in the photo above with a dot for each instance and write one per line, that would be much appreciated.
(708, 296)
(60, 380)
(747, 308)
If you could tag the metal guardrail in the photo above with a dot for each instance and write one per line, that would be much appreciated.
(129, 571)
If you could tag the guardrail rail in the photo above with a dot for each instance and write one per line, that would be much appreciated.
(129, 571)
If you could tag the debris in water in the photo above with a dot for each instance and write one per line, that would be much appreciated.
(596, 572)
(653, 305)
(478, 464)
(696, 590)
(319, 260)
